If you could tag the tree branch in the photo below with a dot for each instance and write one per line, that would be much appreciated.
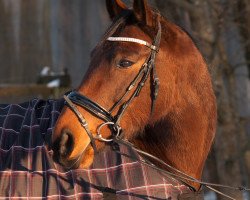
(185, 5)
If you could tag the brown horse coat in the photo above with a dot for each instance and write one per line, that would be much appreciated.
(182, 127)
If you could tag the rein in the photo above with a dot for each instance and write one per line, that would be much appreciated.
(113, 121)
(117, 139)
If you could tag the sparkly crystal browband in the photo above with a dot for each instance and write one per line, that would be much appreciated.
(127, 39)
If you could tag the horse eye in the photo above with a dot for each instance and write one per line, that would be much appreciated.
(124, 63)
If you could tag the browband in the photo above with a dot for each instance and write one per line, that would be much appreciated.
(134, 40)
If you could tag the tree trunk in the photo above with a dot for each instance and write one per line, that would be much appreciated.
(207, 24)
(7, 49)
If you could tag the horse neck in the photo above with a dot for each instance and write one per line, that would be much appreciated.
(184, 134)
(182, 139)
(174, 146)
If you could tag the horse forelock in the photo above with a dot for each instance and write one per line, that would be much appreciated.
(127, 18)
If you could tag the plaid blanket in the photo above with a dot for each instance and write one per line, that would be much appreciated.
(27, 170)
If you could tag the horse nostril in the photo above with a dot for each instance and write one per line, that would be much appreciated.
(66, 144)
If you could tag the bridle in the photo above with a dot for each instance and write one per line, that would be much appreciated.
(74, 98)
(113, 121)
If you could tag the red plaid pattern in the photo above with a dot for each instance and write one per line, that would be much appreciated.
(27, 170)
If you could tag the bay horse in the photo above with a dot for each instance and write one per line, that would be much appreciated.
(148, 83)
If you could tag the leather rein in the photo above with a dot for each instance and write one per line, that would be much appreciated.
(74, 98)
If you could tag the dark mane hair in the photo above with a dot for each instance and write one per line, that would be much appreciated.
(125, 18)
(117, 25)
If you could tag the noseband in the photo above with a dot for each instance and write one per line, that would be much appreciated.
(113, 121)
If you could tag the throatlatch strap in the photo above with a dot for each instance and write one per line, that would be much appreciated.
(156, 80)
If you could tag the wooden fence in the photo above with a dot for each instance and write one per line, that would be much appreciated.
(25, 92)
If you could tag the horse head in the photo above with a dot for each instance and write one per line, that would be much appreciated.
(147, 82)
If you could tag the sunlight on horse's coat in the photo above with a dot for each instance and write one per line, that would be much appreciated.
(181, 127)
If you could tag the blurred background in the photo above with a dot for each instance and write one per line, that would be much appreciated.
(45, 47)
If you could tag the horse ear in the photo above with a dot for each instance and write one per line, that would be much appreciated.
(115, 7)
(143, 12)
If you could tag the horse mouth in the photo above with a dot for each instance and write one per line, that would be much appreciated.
(71, 163)
(62, 149)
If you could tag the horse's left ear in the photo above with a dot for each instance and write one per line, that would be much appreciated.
(143, 12)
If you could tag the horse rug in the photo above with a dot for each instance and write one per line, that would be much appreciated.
(27, 170)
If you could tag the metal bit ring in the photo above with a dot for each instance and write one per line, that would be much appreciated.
(99, 135)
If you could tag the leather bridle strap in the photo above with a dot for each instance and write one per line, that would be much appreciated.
(82, 121)
(147, 68)
(156, 80)
(113, 122)
(175, 173)
(94, 108)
